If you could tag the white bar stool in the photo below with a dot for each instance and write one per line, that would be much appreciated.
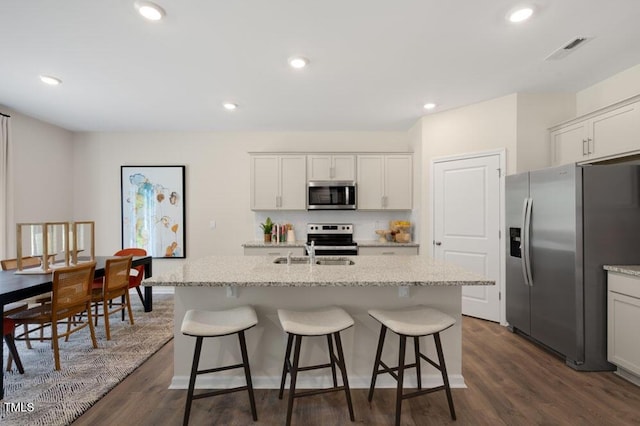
(201, 324)
(413, 322)
(324, 322)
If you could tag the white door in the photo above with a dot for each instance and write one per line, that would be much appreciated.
(466, 212)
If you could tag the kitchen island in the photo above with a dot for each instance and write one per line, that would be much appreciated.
(220, 282)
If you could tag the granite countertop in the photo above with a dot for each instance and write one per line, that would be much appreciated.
(260, 271)
(270, 244)
(376, 243)
(624, 269)
(365, 243)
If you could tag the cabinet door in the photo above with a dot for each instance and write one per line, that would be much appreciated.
(264, 182)
(388, 251)
(370, 182)
(318, 167)
(276, 250)
(569, 144)
(293, 183)
(615, 132)
(623, 346)
(398, 182)
(343, 167)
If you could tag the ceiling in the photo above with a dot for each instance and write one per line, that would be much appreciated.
(373, 63)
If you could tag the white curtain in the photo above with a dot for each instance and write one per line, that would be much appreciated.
(6, 212)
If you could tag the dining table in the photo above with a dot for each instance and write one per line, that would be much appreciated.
(16, 286)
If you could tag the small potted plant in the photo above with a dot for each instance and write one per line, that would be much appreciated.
(267, 226)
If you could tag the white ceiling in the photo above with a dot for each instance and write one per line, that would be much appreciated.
(374, 63)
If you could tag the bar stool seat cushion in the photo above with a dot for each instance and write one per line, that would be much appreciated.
(315, 323)
(413, 321)
(200, 323)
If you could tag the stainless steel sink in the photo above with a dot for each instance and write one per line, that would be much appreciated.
(335, 261)
(294, 260)
(342, 261)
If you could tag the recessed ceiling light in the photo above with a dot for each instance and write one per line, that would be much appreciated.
(149, 10)
(298, 62)
(230, 106)
(520, 14)
(429, 105)
(52, 81)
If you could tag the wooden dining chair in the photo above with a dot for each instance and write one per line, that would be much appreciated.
(12, 265)
(136, 274)
(70, 296)
(115, 286)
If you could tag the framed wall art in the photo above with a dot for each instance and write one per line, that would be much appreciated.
(153, 209)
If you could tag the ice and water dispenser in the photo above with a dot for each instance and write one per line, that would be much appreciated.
(514, 242)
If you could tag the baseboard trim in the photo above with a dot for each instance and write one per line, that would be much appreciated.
(212, 382)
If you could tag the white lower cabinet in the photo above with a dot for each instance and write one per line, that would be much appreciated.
(623, 340)
(385, 250)
(273, 251)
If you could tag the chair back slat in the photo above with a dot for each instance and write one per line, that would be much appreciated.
(132, 251)
(72, 287)
(12, 264)
(117, 274)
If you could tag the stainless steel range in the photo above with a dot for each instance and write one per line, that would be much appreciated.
(332, 239)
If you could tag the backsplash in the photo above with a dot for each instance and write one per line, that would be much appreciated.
(364, 223)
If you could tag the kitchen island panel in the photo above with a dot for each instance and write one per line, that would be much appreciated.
(266, 342)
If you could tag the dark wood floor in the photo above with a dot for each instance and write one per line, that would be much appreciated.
(510, 382)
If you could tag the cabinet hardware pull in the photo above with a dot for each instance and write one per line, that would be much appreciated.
(584, 151)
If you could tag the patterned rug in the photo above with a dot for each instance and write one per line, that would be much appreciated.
(43, 396)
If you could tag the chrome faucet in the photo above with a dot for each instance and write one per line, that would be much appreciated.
(311, 251)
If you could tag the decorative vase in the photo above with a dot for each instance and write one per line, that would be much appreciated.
(267, 238)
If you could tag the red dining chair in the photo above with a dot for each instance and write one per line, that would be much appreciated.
(8, 327)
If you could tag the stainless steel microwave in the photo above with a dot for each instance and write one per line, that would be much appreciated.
(331, 195)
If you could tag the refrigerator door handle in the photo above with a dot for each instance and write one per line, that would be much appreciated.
(523, 241)
(527, 252)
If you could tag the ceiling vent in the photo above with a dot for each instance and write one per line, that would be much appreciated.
(569, 47)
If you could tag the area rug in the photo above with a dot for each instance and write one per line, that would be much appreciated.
(44, 396)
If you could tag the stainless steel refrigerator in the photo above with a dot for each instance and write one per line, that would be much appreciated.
(563, 224)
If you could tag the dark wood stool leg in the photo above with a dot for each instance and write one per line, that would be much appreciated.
(343, 370)
(294, 377)
(416, 346)
(403, 347)
(332, 361)
(445, 378)
(192, 379)
(376, 364)
(285, 367)
(247, 374)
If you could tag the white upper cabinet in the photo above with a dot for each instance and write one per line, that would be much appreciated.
(611, 133)
(331, 167)
(278, 182)
(385, 182)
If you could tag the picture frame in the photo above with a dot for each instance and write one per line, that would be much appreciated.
(153, 209)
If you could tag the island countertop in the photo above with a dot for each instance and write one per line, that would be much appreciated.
(261, 271)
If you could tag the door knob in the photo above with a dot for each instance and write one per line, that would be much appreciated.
(438, 243)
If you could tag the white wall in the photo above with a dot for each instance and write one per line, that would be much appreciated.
(41, 173)
(615, 88)
(536, 112)
(480, 127)
(217, 179)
